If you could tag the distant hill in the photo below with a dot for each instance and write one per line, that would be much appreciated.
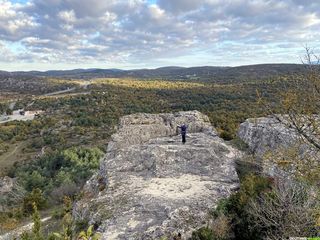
(205, 73)
(29, 83)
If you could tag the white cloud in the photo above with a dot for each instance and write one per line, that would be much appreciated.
(67, 16)
(14, 22)
(134, 31)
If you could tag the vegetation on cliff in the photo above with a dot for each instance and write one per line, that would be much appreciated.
(53, 155)
(283, 206)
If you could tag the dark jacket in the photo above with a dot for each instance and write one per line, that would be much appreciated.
(183, 129)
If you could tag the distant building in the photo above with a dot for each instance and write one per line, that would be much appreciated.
(29, 113)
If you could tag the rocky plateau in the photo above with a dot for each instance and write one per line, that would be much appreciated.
(151, 186)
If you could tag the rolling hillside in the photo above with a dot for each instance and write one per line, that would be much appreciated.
(205, 73)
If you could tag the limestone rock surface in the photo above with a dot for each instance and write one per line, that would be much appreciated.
(6, 184)
(272, 141)
(155, 186)
(265, 134)
(7, 192)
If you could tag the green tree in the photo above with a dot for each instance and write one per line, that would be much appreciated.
(36, 233)
(31, 179)
(9, 111)
(35, 198)
(66, 233)
(36, 229)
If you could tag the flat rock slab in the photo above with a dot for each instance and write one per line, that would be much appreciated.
(160, 187)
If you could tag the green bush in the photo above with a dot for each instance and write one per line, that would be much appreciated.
(251, 187)
(230, 219)
(264, 209)
(36, 233)
(32, 179)
(64, 171)
(35, 198)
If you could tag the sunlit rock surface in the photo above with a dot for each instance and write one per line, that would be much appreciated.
(150, 185)
(272, 141)
(265, 134)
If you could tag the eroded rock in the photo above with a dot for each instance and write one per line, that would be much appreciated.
(7, 187)
(155, 185)
(265, 134)
(276, 146)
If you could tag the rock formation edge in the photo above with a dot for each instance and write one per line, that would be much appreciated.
(150, 185)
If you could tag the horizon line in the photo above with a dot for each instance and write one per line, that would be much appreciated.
(154, 68)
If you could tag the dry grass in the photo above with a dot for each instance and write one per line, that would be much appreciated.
(14, 154)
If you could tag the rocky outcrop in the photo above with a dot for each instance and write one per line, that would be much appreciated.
(139, 128)
(150, 185)
(6, 185)
(276, 146)
(265, 134)
(7, 188)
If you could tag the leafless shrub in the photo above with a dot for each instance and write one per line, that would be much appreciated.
(290, 209)
(299, 110)
(221, 227)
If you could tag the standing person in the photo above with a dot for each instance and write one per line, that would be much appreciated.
(183, 128)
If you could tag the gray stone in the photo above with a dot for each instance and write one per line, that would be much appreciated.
(155, 185)
(138, 128)
(6, 185)
(265, 134)
(268, 135)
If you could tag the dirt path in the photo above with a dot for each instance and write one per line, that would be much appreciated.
(18, 117)
(8, 158)
(13, 152)
(60, 92)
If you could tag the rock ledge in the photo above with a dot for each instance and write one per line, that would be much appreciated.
(155, 185)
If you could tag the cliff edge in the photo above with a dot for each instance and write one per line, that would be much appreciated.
(150, 185)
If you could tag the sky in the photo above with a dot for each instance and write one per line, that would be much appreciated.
(128, 34)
